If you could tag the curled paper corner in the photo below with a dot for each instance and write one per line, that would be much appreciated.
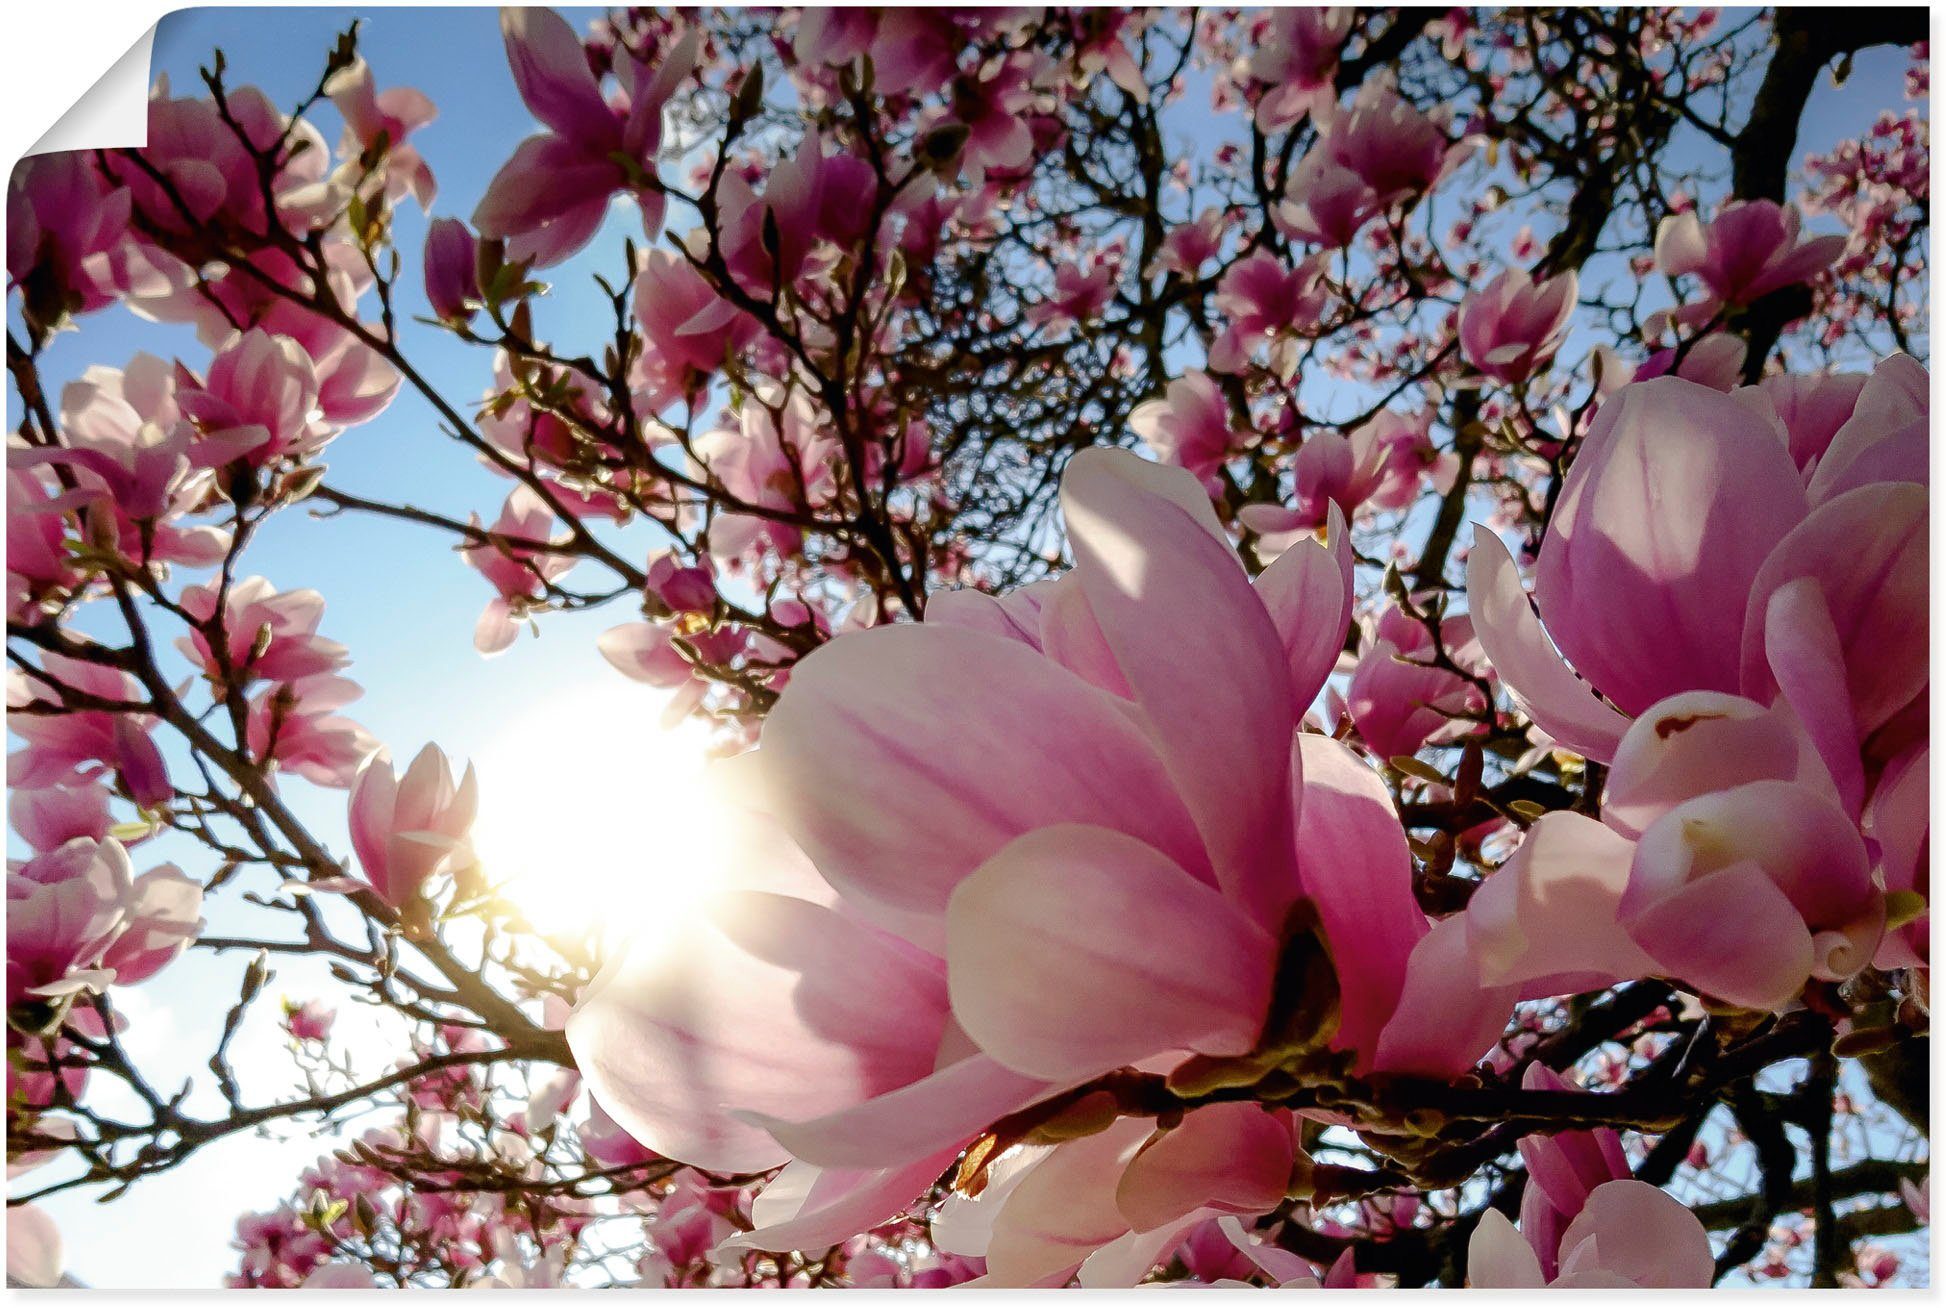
(113, 113)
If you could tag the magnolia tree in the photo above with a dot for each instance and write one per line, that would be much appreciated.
(1087, 468)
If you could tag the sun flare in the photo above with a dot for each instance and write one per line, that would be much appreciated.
(596, 818)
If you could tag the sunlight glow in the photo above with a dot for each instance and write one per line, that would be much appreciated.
(595, 818)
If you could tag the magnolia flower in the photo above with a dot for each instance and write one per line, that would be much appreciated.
(310, 1020)
(60, 744)
(452, 270)
(1513, 325)
(549, 199)
(1750, 250)
(1190, 245)
(687, 331)
(406, 829)
(270, 636)
(1189, 426)
(1263, 300)
(1112, 1205)
(1725, 858)
(373, 117)
(1123, 900)
(1628, 1236)
(295, 725)
(1381, 463)
(1687, 504)
(1295, 61)
(515, 569)
(1398, 700)
(164, 917)
(64, 909)
(260, 401)
(125, 443)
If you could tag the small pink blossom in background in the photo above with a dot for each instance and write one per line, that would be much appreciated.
(1189, 426)
(1513, 325)
(510, 564)
(311, 1020)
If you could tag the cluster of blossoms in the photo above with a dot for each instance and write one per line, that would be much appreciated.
(1172, 841)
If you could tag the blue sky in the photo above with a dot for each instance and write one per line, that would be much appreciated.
(401, 600)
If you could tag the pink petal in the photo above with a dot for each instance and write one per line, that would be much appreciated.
(552, 74)
(1732, 934)
(1307, 592)
(1064, 1209)
(1540, 681)
(1497, 1258)
(941, 1111)
(1446, 1019)
(882, 748)
(1078, 949)
(769, 1005)
(1171, 596)
(1357, 871)
(805, 1207)
(1808, 661)
(1548, 920)
(1235, 1158)
(1644, 1235)
(1677, 497)
(1868, 551)
(1695, 743)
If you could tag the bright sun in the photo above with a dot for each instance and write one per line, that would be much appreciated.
(594, 817)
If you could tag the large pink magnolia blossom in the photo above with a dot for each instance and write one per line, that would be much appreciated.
(1115, 851)
(354, 383)
(1750, 250)
(67, 236)
(212, 180)
(1513, 325)
(1370, 155)
(688, 331)
(779, 457)
(1083, 288)
(135, 460)
(647, 652)
(64, 909)
(1586, 1223)
(815, 204)
(406, 829)
(83, 740)
(1190, 245)
(549, 199)
(40, 568)
(270, 636)
(1189, 427)
(1688, 505)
